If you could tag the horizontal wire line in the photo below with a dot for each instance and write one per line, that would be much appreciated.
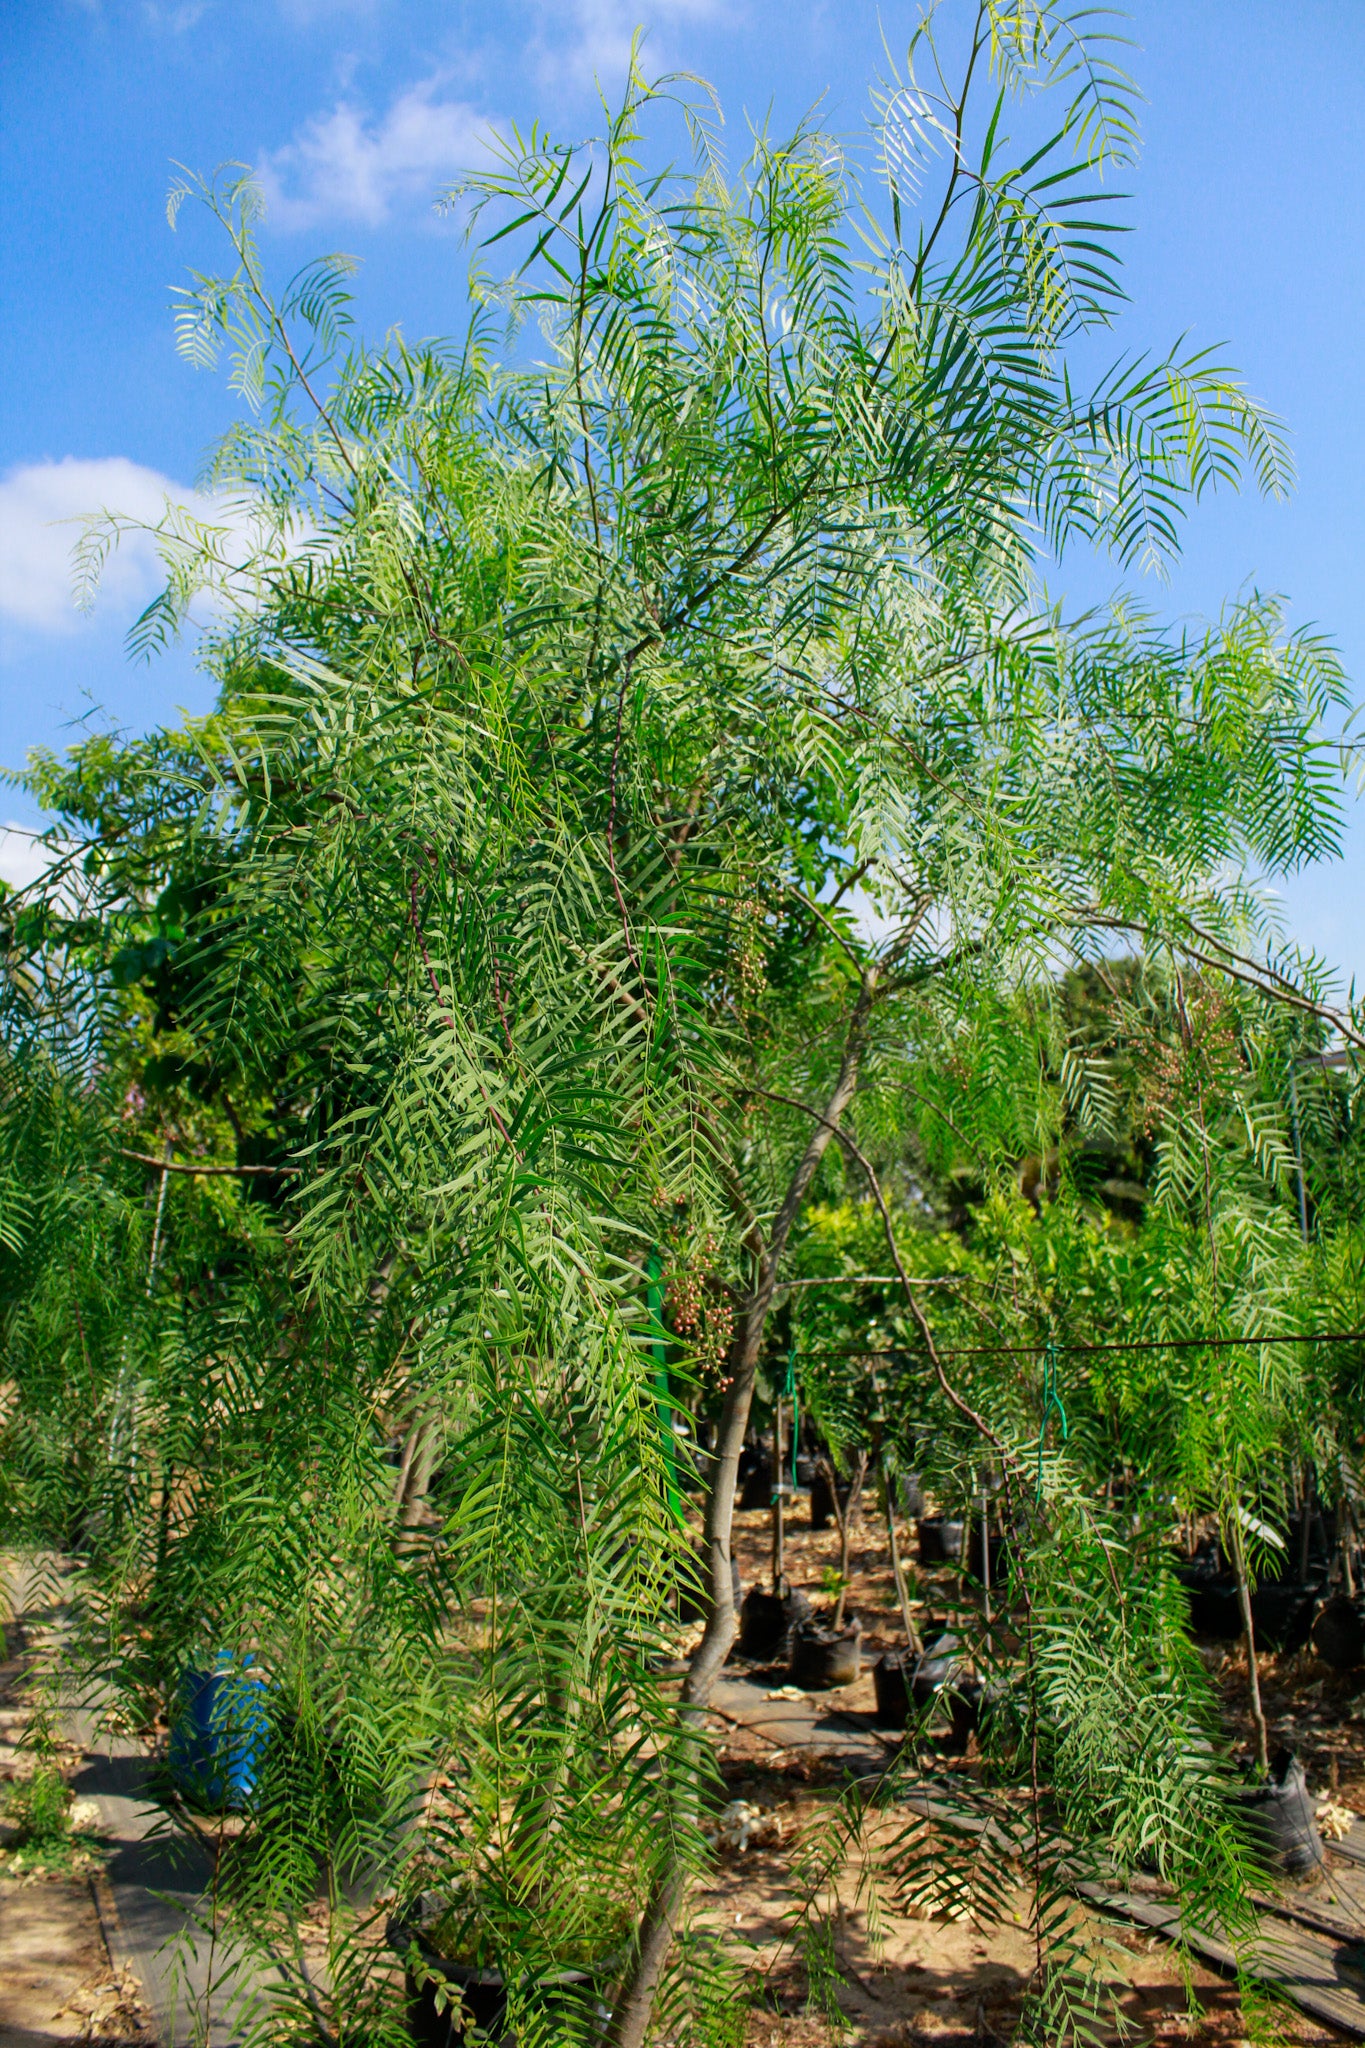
(1134, 1344)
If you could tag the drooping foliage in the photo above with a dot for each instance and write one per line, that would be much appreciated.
(643, 754)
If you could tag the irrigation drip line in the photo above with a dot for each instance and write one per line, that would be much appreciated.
(1135, 1344)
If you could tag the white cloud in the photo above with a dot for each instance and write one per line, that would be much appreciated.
(42, 507)
(23, 856)
(348, 166)
(178, 19)
(303, 13)
(600, 39)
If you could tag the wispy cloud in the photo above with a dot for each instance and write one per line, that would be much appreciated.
(597, 45)
(176, 17)
(304, 13)
(347, 165)
(42, 507)
(179, 18)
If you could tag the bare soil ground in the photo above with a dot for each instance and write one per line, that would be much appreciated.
(57, 1983)
(935, 1981)
(925, 1982)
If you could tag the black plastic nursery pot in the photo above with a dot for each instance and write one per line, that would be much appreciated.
(822, 1658)
(756, 1483)
(1215, 1609)
(890, 1683)
(1339, 1633)
(1279, 1818)
(822, 1499)
(939, 1538)
(766, 1621)
(1282, 1616)
(451, 2004)
(939, 1666)
(940, 1676)
(966, 1703)
(1319, 1546)
(906, 1685)
(981, 1551)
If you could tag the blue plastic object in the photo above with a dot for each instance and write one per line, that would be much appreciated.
(220, 1732)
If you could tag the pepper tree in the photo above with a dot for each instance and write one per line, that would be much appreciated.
(581, 692)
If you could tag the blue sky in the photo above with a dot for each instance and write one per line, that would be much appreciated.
(1249, 232)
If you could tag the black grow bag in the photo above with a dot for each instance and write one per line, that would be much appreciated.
(1282, 1616)
(940, 1539)
(822, 1499)
(820, 1658)
(936, 1673)
(766, 1621)
(1215, 1609)
(1279, 1818)
(1339, 1633)
(941, 1678)
(995, 1549)
(892, 1689)
(756, 1482)
(450, 2004)
(966, 1704)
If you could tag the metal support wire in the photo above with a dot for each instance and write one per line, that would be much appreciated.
(1132, 1344)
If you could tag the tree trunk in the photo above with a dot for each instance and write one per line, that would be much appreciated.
(850, 1515)
(1239, 1567)
(912, 1635)
(779, 1528)
(1347, 1541)
(630, 2020)
(711, 1653)
(414, 1477)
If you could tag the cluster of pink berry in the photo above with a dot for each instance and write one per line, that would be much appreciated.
(697, 1305)
(746, 926)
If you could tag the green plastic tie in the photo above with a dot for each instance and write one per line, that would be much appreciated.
(1051, 1399)
(790, 1393)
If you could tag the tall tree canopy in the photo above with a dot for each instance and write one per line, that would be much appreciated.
(590, 692)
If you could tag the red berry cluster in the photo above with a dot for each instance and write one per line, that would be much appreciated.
(746, 927)
(696, 1300)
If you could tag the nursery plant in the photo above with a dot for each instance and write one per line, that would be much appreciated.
(398, 1056)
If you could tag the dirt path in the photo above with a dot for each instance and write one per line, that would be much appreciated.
(57, 1984)
(140, 1906)
(888, 1975)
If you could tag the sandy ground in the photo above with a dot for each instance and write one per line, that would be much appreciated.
(932, 1980)
(914, 1980)
(57, 1983)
